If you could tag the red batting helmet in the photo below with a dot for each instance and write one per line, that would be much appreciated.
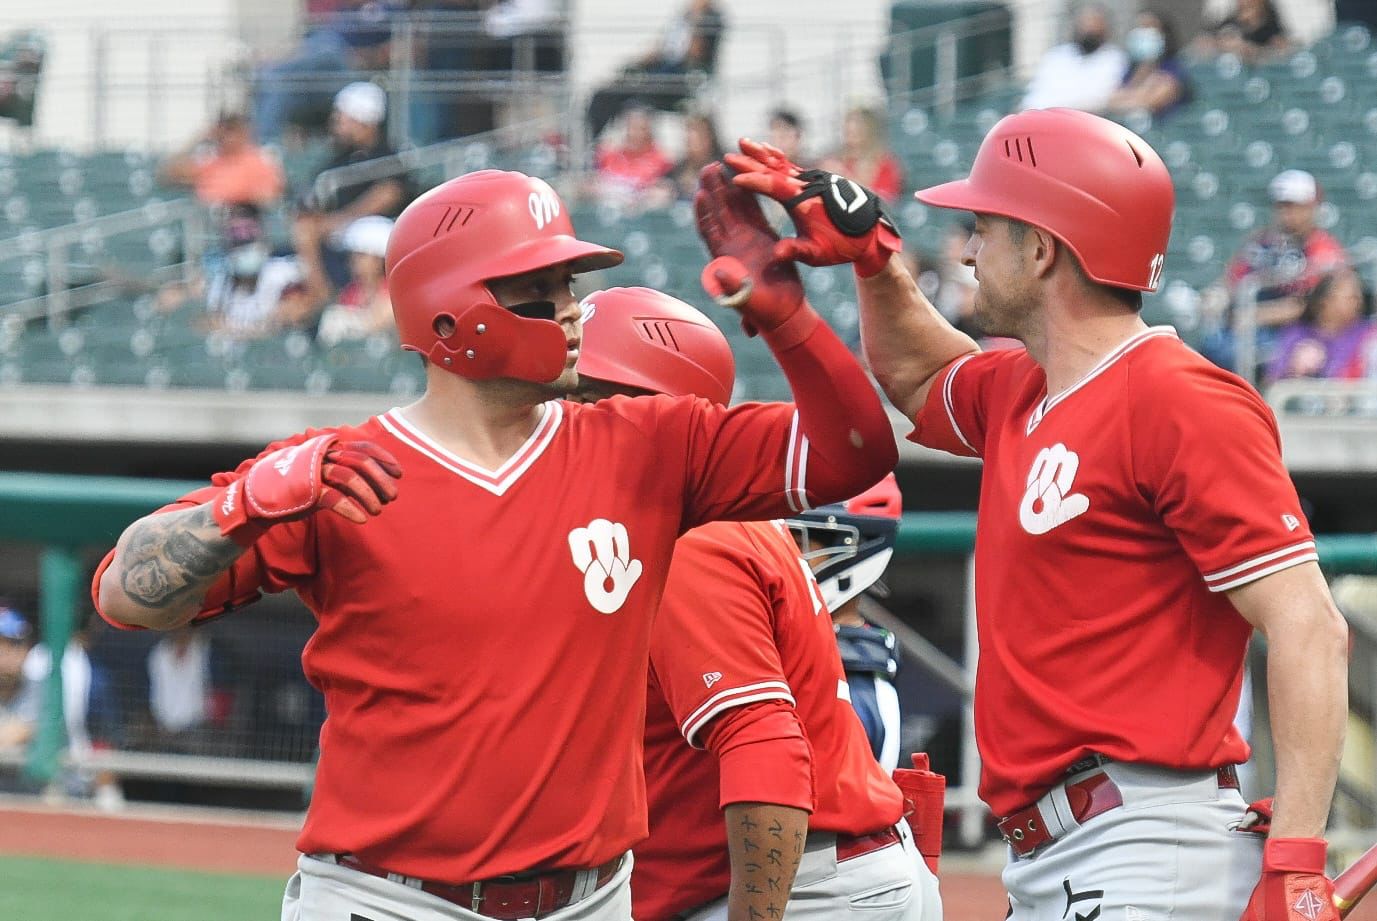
(1093, 184)
(454, 239)
(640, 337)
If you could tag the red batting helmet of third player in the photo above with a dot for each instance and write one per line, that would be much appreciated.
(1094, 185)
(640, 337)
(449, 243)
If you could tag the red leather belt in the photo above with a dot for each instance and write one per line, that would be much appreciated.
(851, 846)
(1026, 831)
(506, 897)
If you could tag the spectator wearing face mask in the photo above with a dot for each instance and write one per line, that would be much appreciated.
(1082, 73)
(1157, 81)
(242, 295)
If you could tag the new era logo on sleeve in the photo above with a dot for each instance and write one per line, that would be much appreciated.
(1291, 522)
(602, 552)
(712, 678)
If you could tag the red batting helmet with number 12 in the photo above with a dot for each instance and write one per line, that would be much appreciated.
(1091, 183)
(449, 243)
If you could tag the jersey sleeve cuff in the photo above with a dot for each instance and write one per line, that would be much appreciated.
(732, 697)
(1264, 565)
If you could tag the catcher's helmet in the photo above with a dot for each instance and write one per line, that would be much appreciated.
(455, 238)
(640, 337)
(854, 539)
(1091, 183)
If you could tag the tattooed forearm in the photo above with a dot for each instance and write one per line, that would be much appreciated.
(763, 865)
(166, 562)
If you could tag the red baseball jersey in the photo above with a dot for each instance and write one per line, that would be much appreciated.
(742, 620)
(1113, 516)
(482, 645)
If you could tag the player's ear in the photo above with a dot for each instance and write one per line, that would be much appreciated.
(1042, 251)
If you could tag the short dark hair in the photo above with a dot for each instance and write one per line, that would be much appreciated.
(1129, 298)
(789, 117)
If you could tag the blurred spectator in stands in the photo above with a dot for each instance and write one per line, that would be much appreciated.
(352, 43)
(955, 282)
(865, 155)
(671, 73)
(1285, 260)
(363, 308)
(89, 712)
(1082, 73)
(244, 292)
(1253, 32)
(225, 167)
(625, 172)
(786, 133)
(356, 129)
(701, 147)
(1157, 81)
(187, 698)
(1330, 337)
(17, 715)
(21, 65)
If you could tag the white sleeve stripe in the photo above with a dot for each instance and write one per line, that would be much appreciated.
(1266, 571)
(801, 487)
(789, 464)
(950, 406)
(1259, 560)
(690, 730)
(740, 689)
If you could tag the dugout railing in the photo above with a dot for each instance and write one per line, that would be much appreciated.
(68, 517)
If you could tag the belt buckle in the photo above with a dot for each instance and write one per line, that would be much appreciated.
(476, 902)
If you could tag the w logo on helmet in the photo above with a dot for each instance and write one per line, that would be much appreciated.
(544, 205)
(1155, 271)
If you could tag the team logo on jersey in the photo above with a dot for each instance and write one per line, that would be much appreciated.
(602, 552)
(1049, 501)
(543, 204)
(712, 678)
(587, 309)
(1309, 905)
(1291, 522)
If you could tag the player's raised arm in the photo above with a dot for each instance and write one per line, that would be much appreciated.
(167, 564)
(851, 444)
(907, 342)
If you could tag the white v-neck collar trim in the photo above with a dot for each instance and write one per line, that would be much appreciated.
(1128, 345)
(496, 481)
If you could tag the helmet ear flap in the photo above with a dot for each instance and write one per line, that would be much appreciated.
(487, 341)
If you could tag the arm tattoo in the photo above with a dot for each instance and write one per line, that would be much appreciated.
(169, 558)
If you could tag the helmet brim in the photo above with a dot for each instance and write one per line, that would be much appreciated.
(544, 252)
(960, 195)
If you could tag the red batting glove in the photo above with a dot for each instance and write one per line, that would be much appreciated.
(1293, 886)
(746, 275)
(353, 479)
(1258, 818)
(837, 220)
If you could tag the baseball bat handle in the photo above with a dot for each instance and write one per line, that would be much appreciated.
(1352, 884)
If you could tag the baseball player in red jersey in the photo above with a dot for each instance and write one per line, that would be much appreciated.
(748, 725)
(1136, 523)
(450, 785)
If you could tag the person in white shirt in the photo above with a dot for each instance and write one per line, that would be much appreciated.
(1082, 73)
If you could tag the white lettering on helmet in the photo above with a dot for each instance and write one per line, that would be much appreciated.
(544, 205)
(1155, 271)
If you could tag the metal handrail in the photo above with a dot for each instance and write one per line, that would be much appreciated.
(54, 243)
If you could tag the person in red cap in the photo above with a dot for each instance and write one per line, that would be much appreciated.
(1136, 524)
(484, 620)
(751, 744)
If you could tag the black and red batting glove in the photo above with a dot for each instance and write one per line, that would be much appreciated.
(353, 479)
(837, 219)
(745, 274)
